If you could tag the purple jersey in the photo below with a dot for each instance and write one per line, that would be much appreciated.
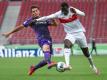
(41, 30)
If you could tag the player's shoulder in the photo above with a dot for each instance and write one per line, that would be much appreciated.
(26, 22)
(28, 19)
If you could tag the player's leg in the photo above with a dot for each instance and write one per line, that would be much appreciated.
(68, 43)
(44, 44)
(47, 55)
(47, 50)
(86, 53)
(39, 65)
(83, 44)
(67, 51)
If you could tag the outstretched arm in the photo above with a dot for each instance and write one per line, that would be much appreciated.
(25, 24)
(52, 16)
(77, 11)
(18, 28)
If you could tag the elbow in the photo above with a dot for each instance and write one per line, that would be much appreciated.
(83, 14)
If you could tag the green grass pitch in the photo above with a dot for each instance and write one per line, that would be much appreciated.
(17, 69)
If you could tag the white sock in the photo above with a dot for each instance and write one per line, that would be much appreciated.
(67, 52)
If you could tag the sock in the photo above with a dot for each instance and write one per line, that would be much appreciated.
(91, 61)
(67, 52)
(47, 56)
(40, 64)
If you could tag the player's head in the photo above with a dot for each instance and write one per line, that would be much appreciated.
(35, 11)
(64, 8)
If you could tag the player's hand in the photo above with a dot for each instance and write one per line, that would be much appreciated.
(56, 22)
(6, 35)
(73, 10)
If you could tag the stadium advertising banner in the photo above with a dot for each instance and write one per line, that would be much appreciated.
(7, 52)
(36, 52)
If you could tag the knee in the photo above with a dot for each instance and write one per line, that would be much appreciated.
(86, 52)
(67, 44)
(46, 48)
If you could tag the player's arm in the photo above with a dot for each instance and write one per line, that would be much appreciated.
(77, 11)
(25, 24)
(16, 29)
(52, 16)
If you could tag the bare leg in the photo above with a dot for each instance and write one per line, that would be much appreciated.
(86, 53)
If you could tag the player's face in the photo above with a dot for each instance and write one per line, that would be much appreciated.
(35, 12)
(65, 10)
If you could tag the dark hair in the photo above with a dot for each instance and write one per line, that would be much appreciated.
(34, 7)
(64, 8)
(63, 4)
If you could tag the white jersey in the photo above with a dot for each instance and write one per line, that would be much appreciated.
(69, 26)
(73, 27)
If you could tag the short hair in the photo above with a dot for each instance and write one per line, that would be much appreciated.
(34, 7)
(64, 4)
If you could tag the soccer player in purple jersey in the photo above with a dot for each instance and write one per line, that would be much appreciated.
(43, 36)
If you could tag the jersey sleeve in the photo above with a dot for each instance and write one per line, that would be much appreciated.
(27, 22)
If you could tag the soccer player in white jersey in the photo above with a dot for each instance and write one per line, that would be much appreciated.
(68, 16)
